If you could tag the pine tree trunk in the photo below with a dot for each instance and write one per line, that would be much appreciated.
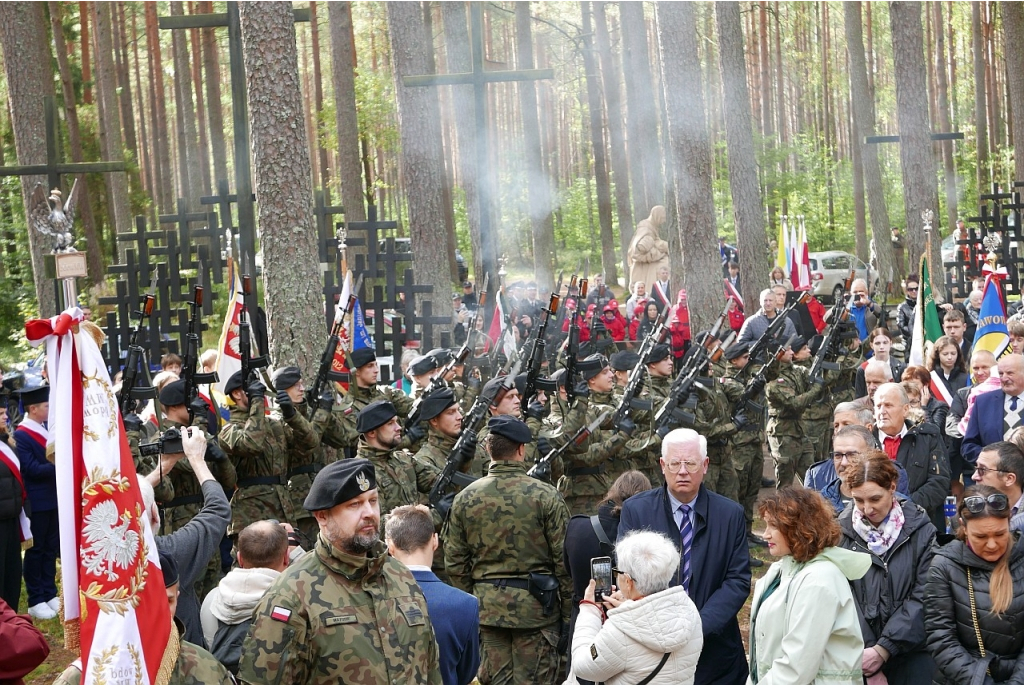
(350, 173)
(110, 130)
(1013, 25)
(863, 126)
(214, 105)
(917, 161)
(747, 205)
(942, 85)
(145, 149)
(980, 113)
(93, 246)
(642, 110)
(539, 184)
(85, 16)
(158, 106)
(860, 219)
(616, 137)
(691, 152)
(422, 155)
(124, 84)
(284, 196)
(318, 96)
(604, 196)
(203, 151)
(26, 53)
(185, 116)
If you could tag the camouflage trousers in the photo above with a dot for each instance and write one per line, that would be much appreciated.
(748, 460)
(819, 433)
(519, 657)
(788, 455)
(721, 476)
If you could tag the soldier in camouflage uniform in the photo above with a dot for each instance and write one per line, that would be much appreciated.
(714, 422)
(660, 367)
(587, 478)
(504, 544)
(194, 665)
(347, 612)
(622, 363)
(421, 372)
(259, 447)
(788, 397)
(363, 389)
(440, 412)
(510, 405)
(817, 418)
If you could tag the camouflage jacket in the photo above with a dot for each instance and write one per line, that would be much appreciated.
(819, 411)
(435, 450)
(400, 479)
(585, 470)
(188, 494)
(482, 458)
(164, 490)
(303, 463)
(788, 397)
(332, 617)
(357, 398)
(259, 447)
(753, 432)
(508, 525)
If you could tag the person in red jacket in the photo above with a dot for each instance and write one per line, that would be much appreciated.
(570, 307)
(679, 327)
(736, 317)
(614, 322)
(24, 646)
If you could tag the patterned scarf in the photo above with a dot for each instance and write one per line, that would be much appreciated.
(880, 539)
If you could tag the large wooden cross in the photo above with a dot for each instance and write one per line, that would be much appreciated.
(479, 78)
(240, 117)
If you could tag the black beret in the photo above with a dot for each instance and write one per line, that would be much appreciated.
(797, 343)
(374, 415)
(422, 364)
(511, 428)
(442, 354)
(591, 366)
(659, 353)
(521, 384)
(737, 350)
(624, 360)
(491, 385)
(286, 377)
(361, 357)
(815, 343)
(233, 383)
(339, 482)
(37, 394)
(559, 378)
(169, 567)
(173, 394)
(436, 402)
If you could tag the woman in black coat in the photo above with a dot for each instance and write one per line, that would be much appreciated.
(890, 599)
(976, 588)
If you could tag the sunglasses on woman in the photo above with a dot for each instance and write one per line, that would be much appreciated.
(976, 503)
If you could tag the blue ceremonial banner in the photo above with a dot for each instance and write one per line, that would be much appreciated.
(992, 334)
(361, 337)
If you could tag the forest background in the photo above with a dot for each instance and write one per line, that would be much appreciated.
(600, 146)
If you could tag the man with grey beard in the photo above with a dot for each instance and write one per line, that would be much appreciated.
(348, 611)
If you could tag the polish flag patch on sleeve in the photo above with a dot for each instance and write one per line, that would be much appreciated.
(281, 614)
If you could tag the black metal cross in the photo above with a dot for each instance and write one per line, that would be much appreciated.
(479, 78)
(240, 117)
(371, 226)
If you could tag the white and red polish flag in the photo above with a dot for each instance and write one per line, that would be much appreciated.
(114, 596)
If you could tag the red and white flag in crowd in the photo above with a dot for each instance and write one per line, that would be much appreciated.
(229, 359)
(114, 596)
(499, 330)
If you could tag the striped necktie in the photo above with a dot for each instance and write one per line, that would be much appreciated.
(686, 532)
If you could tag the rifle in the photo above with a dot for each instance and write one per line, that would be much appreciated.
(680, 403)
(188, 364)
(436, 383)
(635, 380)
(756, 385)
(536, 359)
(129, 394)
(542, 469)
(324, 372)
(249, 364)
(777, 324)
(470, 424)
(572, 348)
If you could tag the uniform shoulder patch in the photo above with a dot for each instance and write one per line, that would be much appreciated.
(280, 614)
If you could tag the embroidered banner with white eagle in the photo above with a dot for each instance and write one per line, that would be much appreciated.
(114, 596)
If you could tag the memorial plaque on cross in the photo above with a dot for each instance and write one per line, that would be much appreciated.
(480, 78)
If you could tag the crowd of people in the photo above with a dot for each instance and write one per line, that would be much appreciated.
(317, 539)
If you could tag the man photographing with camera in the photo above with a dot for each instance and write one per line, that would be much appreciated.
(864, 312)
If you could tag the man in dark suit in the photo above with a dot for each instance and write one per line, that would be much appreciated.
(995, 414)
(454, 614)
(710, 532)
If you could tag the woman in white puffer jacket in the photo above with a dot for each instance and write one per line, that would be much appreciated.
(651, 629)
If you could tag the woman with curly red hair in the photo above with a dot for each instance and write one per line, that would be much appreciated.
(804, 626)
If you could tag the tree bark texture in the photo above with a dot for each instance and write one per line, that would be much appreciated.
(318, 98)
(539, 185)
(203, 149)
(27, 68)
(1013, 24)
(125, 84)
(747, 203)
(85, 14)
(214, 106)
(980, 110)
(645, 151)
(284, 196)
(916, 158)
(422, 155)
(350, 171)
(691, 152)
(158, 105)
(863, 126)
(604, 195)
(616, 136)
(188, 146)
(945, 125)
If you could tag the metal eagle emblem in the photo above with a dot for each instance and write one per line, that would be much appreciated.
(52, 218)
(363, 482)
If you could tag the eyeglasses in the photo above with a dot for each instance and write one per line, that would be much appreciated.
(690, 466)
(911, 290)
(839, 456)
(982, 470)
(976, 503)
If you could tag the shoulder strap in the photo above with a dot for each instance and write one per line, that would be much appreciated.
(656, 671)
(602, 536)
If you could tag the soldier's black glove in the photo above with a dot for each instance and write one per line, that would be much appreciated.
(416, 433)
(199, 408)
(599, 327)
(663, 431)
(444, 505)
(544, 446)
(132, 423)
(285, 404)
(563, 639)
(535, 410)
(626, 425)
(214, 452)
(255, 390)
(757, 386)
(582, 389)
(741, 421)
(326, 400)
(468, 448)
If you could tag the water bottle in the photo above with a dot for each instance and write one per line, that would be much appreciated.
(949, 510)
